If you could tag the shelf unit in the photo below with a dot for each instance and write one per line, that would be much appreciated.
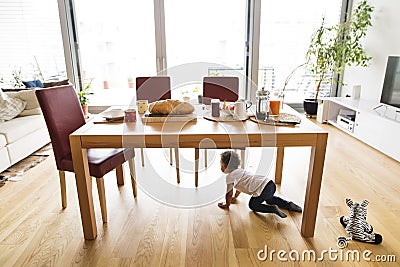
(370, 126)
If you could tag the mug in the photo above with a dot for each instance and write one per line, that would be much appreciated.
(130, 115)
(142, 106)
(215, 107)
(241, 107)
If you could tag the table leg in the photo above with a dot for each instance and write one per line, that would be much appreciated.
(242, 157)
(313, 185)
(205, 159)
(279, 164)
(178, 176)
(196, 167)
(83, 185)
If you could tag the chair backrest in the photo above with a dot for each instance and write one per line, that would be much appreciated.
(223, 88)
(63, 115)
(153, 88)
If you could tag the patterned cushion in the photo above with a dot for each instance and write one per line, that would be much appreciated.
(28, 96)
(10, 107)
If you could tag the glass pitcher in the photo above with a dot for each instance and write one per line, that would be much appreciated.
(262, 104)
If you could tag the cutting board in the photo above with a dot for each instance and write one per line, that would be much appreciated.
(168, 118)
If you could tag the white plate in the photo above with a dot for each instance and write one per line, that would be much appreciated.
(113, 114)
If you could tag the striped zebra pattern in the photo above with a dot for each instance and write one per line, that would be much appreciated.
(356, 224)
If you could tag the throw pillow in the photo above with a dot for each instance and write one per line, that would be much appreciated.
(30, 112)
(28, 96)
(10, 107)
(33, 84)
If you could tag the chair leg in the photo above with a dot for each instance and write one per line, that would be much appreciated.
(170, 156)
(133, 176)
(178, 176)
(205, 158)
(242, 157)
(63, 188)
(102, 198)
(142, 156)
(120, 174)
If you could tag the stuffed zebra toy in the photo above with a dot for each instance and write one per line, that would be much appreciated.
(356, 225)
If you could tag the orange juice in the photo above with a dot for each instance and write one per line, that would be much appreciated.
(274, 106)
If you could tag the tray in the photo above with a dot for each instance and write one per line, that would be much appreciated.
(223, 119)
(283, 119)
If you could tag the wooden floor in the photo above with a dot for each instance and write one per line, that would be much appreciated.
(34, 230)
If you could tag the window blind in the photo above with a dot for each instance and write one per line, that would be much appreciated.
(30, 39)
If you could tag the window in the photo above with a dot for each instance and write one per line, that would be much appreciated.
(125, 39)
(31, 40)
(285, 34)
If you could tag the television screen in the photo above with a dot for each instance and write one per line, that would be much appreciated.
(391, 84)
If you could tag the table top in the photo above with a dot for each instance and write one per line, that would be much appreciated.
(201, 134)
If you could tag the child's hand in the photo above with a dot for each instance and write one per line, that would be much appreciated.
(223, 205)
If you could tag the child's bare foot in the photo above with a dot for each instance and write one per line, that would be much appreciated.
(278, 212)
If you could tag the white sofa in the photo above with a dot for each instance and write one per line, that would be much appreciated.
(24, 134)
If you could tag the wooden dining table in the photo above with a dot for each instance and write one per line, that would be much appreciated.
(200, 134)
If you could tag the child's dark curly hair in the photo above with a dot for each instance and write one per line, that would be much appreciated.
(230, 159)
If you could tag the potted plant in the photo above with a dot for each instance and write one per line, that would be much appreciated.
(199, 96)
(83, 97)
(185, 96)
(281, 94)
(334, 47)
(130, 82)
(17, 79)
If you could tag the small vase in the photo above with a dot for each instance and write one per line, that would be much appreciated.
(85, 110)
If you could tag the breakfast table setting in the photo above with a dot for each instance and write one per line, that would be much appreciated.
(177, 124)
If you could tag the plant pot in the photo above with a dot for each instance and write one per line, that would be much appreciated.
(310, 106)
(130, 84)
(85, 110)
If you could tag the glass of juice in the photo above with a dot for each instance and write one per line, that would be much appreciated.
(274, 106)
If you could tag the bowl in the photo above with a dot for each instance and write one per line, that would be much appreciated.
(113, 114)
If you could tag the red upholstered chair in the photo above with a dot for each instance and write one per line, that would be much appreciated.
(220, 87)
(153, 89)
(63, 115)
(224, 88)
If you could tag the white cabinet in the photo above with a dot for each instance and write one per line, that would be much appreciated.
(373, 129)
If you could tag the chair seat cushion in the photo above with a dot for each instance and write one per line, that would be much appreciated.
(101, 161)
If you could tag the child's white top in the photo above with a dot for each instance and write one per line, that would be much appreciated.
(246, 182)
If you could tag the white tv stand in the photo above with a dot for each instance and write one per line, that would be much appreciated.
(370, 127)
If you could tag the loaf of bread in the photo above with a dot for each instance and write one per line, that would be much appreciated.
(169, 106)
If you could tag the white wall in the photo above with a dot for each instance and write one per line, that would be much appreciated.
(382, 40)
